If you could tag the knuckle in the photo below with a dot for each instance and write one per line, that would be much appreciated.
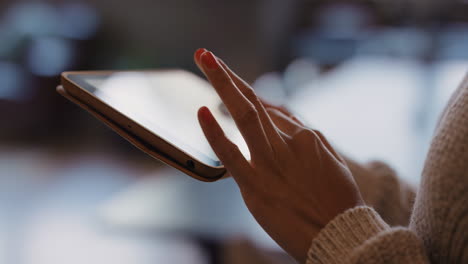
(305, 134)
(272, 112)
(218, 142)
(250, 94)
(318, 133)
(232, 151)
(248, 115)
(229, 151)
(305, 138)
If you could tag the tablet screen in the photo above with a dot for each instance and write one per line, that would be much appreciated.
(165, 103)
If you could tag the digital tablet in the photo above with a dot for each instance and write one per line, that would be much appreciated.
(158, 111)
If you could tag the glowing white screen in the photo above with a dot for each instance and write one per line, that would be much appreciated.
(166, 103)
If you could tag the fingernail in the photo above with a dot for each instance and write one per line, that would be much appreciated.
(199, 52)
(205, 115)
(209, 60)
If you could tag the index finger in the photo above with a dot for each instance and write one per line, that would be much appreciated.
(242, 110)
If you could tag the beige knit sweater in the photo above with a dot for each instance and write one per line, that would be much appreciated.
(437, 215)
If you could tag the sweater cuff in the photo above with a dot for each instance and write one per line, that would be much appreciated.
(344, 234)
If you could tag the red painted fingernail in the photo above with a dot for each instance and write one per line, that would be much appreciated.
(209, 60)
(199, 52)
(205, 115)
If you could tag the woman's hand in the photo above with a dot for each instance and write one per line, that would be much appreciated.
(295, 183)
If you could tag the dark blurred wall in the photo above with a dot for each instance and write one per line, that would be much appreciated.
(169, 31)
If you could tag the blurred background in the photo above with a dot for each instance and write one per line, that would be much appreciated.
(372, 75)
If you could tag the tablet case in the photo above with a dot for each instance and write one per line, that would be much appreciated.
(133, 139)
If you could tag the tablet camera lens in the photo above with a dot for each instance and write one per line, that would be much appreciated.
(190, 164)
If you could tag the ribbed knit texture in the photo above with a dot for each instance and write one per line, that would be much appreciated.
(438, 230)
(346, 232)
(440, 216)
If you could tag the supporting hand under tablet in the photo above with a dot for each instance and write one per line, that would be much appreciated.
(295, 182)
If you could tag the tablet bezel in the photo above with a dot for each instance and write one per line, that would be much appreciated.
(77, 87)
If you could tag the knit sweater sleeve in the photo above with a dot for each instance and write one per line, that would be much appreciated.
(383, 190)
(359, 235)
